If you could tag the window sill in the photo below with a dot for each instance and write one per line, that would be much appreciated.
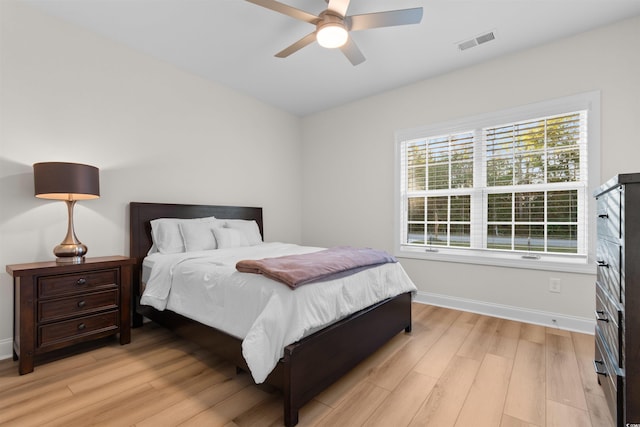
(568, 265)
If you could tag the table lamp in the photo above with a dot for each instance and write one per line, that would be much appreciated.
(69, 182)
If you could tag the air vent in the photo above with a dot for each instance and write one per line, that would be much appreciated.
(468, 44)
(483, 38)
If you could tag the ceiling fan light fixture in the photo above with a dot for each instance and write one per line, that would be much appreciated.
(332, 35)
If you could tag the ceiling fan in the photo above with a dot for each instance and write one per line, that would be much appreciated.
(333, 25)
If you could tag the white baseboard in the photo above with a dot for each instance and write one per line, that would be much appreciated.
(543, 318)
(6, 348)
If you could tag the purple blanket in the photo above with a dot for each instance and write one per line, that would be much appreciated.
(296, 270)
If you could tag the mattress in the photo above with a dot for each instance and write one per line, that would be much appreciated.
(266, 315)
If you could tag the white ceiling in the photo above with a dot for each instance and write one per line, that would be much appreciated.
(232, 42)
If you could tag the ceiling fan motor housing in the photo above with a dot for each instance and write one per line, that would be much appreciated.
(331, 31)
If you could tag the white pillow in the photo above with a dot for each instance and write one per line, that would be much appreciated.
(166, 235)
(198, 235)
(249, 229)
(230, 238)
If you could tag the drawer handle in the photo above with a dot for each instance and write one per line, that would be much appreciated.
(601, 316)
(603, 264)
(81, 326)
(82, 281)
(596, 366)
(82, 303)
(605, 215)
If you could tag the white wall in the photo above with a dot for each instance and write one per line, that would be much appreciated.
(348, 157)
(156, 133)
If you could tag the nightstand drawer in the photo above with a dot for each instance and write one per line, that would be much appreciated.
(52, 286)
(77, 329)
(57, 309)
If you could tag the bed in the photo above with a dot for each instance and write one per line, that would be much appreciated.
(336, 348)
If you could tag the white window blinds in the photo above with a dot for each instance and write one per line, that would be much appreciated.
(518, 188)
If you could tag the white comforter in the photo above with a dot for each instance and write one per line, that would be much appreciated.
(265, 314)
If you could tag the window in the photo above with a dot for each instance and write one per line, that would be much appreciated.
(507, 188)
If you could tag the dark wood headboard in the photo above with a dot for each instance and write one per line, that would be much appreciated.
(141, 215)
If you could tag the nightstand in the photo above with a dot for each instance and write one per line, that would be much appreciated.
(57, 306)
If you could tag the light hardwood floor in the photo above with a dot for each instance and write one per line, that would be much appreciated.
(454, 369)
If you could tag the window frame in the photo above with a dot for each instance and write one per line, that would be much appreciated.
(589, 101)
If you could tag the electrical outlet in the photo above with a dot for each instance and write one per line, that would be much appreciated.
(554, 285)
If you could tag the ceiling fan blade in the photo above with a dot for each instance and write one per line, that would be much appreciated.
(384, 19)
(286, 10)
(339, 6)
(305, 41)
(352, 52)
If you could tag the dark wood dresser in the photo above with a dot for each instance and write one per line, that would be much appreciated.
(59, 305)
(617, 335)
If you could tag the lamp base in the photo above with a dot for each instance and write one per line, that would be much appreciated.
(70, 253)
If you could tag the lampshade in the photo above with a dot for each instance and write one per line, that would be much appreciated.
(332, 35)
(68, 182)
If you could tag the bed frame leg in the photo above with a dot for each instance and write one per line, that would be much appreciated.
(290, 416)
(136, 319)
(289, 385)
(407, 329)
